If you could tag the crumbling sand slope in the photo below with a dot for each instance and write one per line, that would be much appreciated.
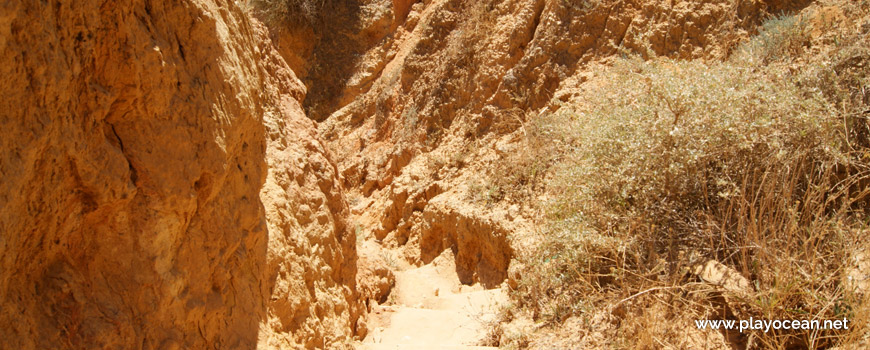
(160, 186)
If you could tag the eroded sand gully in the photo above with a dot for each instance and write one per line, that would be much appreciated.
(176, 175)
(442, 283)
(430, 308)
(420, 102)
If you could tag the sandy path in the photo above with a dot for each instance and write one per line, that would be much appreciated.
(430, 309)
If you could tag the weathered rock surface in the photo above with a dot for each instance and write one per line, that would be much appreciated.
(396, 82)
(160, 186)
(388, 83)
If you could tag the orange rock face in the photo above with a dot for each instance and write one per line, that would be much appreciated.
(160, 186)
(415, 100)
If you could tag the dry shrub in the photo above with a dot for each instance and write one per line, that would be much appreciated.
(672, 163)
(779, 38)
(288, 13)
(520, 173)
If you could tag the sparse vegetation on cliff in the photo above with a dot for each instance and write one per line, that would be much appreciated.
(759, 162)
(280, 13)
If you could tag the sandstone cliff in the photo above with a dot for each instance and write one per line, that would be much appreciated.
(160, 186)
(177, 175)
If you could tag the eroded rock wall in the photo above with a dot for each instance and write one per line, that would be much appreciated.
(312, 259)
(464, 69)
(160, 187)
(426, 90)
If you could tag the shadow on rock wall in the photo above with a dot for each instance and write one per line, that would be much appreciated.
(132, 159)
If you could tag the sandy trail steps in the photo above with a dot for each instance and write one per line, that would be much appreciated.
(430, 309)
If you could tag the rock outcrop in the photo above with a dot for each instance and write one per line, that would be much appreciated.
(160, 186)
